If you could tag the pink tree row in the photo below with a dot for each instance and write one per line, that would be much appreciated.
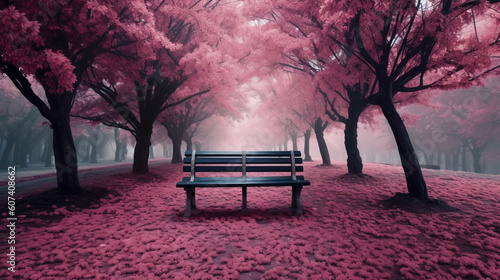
(147, 51)
(385, 51)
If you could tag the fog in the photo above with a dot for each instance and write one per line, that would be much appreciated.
(441, 139)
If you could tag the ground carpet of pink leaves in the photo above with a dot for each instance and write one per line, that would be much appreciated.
(347, 231)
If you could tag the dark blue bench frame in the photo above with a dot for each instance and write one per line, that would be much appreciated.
(242, 161)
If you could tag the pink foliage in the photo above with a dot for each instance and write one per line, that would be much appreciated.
(61, 76)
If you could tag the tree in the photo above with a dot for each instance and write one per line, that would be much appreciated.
(21, 126)
(403, 41)
(57, 47)
(289, 101)
(183, 121)
(398, 42)
(197, 60)
(469, 123)
(340, 77)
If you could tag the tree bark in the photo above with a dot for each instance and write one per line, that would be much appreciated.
(4, 161)
(293, 136)
(141, 151)
(307, 138)
(123, 152)
(48, 151)
(354, 161)
(447, 160)
(414, 177)
(117, 144)
(176, 151)
(65, 157)
(464, 156)
(20, 154)
(151, 152)
(476, 157)
(88, 148)
(319, 128)
(426, 157)
(189, 142)
(455, 155)
(93, 147)
(197, 145)
(164, 149)
(285, 144)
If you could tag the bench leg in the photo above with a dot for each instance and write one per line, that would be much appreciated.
(193, 199)
(296, 203)
(244, 198)
(189, 201)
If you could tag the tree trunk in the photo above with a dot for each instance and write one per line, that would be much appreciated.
(456, 154)
(464, 156)
(118, 149)
(65, 157)
(164, 149)
(47, 151)
(17, 150)
(476, 158)
(307, 138)
(319, 127)
(354, 162)
(447, 160)
(4, 161)
(20, 154)
(197, 145)
(116, 130)
(123, 152)
(189, 142)
(176, 151)
(86, 158)
(151, 152)
(431, 158)
(141, 151)
(293, 136)
(426, 157)
(414, 177)
(93, 147)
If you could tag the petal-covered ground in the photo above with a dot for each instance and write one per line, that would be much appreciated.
(349, 230)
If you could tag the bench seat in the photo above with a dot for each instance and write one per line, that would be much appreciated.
(211, 182)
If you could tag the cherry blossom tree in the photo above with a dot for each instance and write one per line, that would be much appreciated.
(57, 43)
(470, 122)
(198, 60)
(21, 126)
(398, 42)
(182, 122)
(291, 100)
(403, 41)
(346, 95)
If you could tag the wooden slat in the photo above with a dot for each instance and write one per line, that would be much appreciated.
(219, 168)
(238, 182)
(239, 153)
(239, 160)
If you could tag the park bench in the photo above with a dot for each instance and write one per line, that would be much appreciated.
(243, 162)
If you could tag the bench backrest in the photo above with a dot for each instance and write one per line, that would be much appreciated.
(242, 161)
